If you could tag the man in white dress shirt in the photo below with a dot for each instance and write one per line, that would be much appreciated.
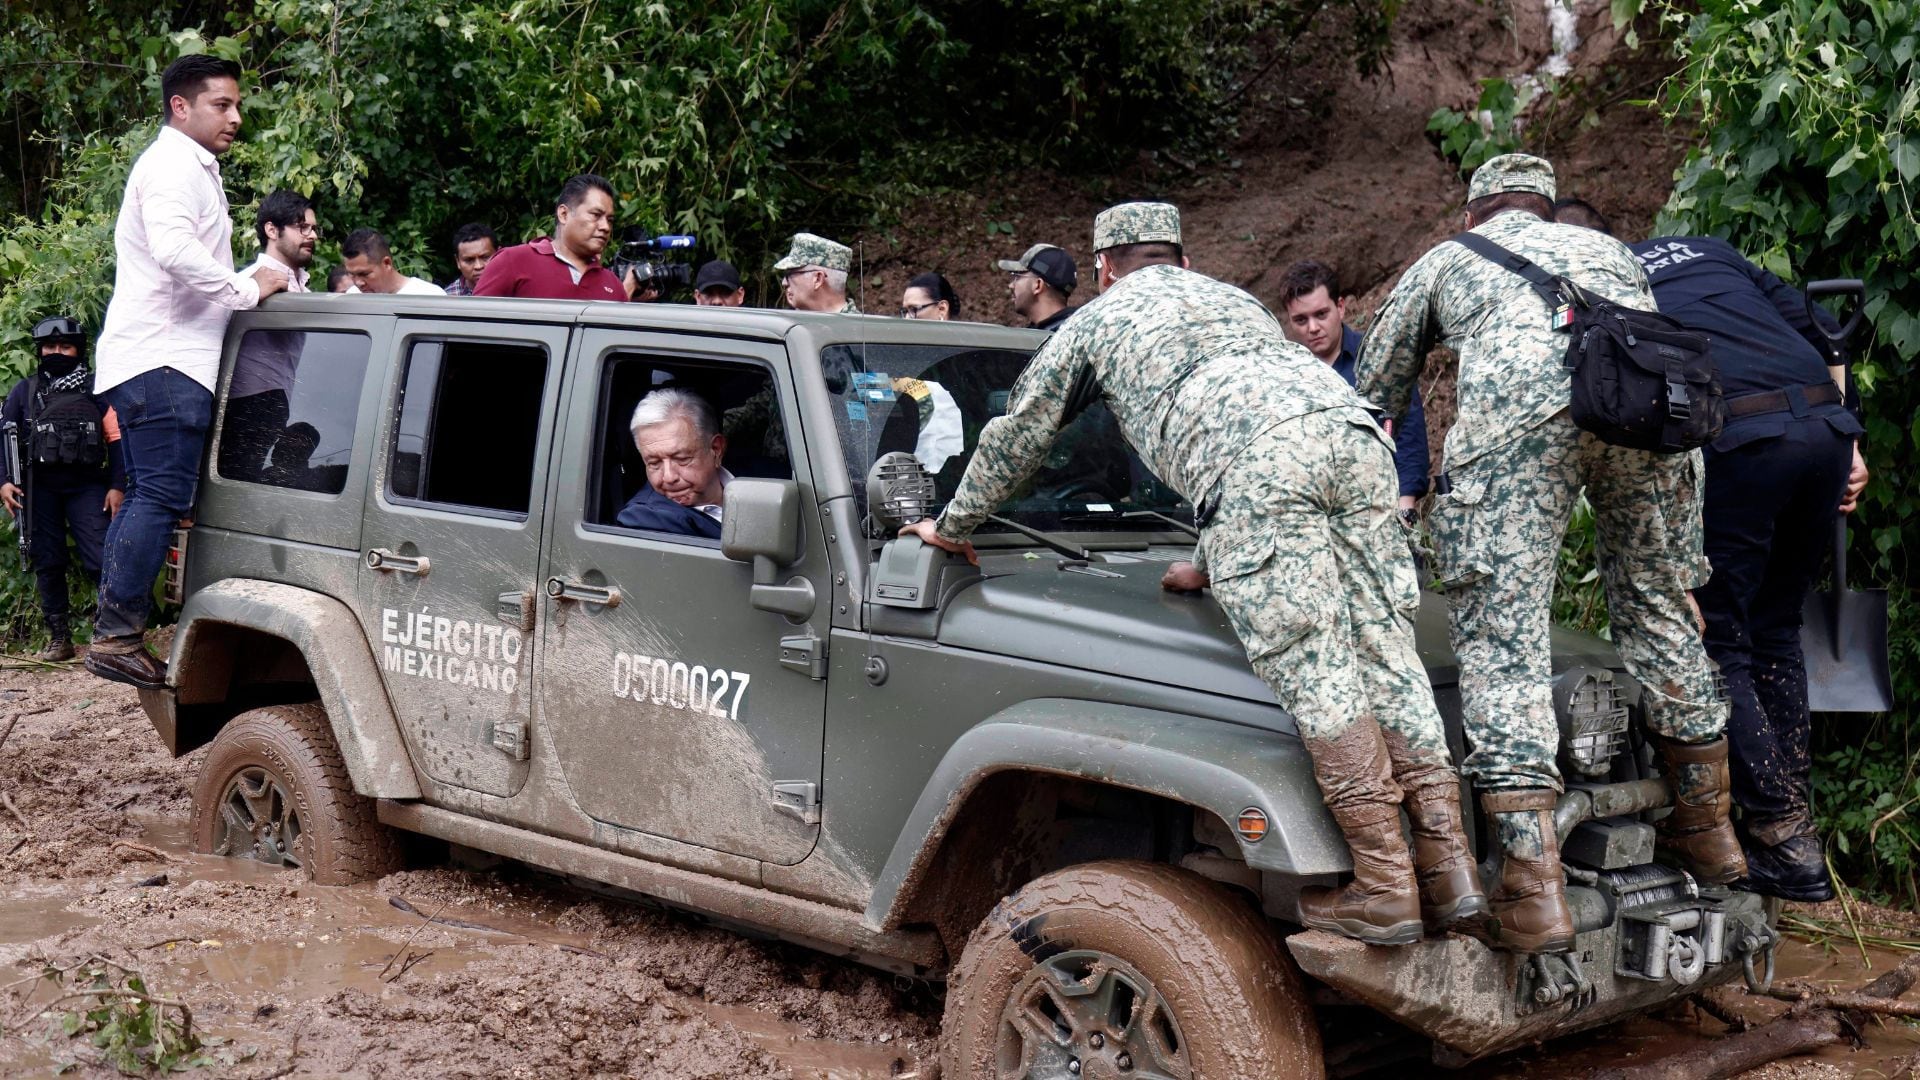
(159, 351)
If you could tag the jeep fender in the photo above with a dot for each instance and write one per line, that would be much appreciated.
(1209, 764)
(337, 655)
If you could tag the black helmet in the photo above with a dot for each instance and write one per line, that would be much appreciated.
(58, 328)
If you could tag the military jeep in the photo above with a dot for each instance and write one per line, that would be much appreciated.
(409, 607)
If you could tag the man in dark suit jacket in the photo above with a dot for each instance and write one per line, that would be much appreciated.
(679, 439)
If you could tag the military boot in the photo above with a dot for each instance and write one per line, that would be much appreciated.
(1450, 892)
(1530, 902)
(60, 642)
(1381, 905)
(1698, 832)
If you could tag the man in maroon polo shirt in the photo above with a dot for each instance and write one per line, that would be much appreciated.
(567, 266)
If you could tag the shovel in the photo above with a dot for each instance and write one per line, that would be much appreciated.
(1843, 633)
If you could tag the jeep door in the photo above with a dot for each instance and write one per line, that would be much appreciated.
(450, 552)
(676, 708)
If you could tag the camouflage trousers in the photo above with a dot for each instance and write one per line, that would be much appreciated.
(1497, 540)
(1310, 563)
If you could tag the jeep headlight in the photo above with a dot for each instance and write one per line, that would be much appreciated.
(1592, 711)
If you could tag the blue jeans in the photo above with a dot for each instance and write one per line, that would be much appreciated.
(164, 417)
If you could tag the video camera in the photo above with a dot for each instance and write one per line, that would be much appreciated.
(640, 252)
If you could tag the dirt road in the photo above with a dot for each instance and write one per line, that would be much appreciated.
(520, 975)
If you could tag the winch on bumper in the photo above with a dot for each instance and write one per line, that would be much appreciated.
(1647, 934)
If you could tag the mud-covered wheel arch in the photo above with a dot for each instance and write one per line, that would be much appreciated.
(1122, 967)
(273, 787)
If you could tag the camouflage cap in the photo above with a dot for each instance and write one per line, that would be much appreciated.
(1512, 172)
(1136, 223)
(810, 250)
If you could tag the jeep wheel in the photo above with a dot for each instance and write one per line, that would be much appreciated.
(273, 788)
(1122, 970)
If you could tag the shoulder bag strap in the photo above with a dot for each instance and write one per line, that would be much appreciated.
(1548, 286)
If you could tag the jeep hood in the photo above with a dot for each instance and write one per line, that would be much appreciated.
(1113, 617)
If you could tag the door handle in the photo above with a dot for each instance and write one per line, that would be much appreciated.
(382, 559)
(585, 594)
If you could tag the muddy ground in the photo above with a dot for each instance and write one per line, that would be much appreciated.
(543, 979)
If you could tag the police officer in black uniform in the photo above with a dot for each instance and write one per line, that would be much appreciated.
(1786, 464)
(72, 476)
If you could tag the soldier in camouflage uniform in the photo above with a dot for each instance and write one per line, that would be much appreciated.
(813, 273)
(1515, 465)
(1300, 538)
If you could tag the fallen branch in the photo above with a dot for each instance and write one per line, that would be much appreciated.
(1706, 1003)
(407, 946)
(15, 718)
(7, 801)
(145, 850)
(37, 662)
(1807, 1026)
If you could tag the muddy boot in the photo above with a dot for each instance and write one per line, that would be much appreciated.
(1381, 905)
(60, 644)
(1530, 903)
(1698, 832)
(1450, 891)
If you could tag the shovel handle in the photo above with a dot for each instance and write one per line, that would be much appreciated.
(1853, 287)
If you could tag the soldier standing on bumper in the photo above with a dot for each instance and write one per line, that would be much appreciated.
(70, 455)
(1515, 465)
(1296, 486)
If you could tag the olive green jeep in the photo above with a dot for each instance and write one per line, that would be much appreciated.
(410, 606)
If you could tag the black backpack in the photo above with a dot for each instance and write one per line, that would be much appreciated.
(65, 428)
(1640, 379)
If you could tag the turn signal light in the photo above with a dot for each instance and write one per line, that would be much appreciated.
(1252, 825)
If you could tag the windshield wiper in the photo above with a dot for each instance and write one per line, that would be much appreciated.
(1173, 521)
(1046, 540)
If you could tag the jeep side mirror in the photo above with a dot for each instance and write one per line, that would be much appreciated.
(761, 526)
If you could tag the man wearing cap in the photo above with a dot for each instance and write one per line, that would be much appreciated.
(1514, 466)
(717, 284)
(1295, 487)
(813, 273)
(1039, 283)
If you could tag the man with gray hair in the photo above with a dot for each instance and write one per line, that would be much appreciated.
(813, 274)
(679, 440)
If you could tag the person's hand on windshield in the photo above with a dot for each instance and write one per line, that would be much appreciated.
(1183, 577)
(926, 531)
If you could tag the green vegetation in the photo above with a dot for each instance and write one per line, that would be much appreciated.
(742, 122)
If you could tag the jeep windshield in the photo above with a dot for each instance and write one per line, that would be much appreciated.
(932, 400)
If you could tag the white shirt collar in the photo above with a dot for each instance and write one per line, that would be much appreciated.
(712, 510)
(264, 259)
(200, 153)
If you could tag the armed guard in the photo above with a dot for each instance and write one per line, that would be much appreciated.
(1295, 486)
(64, 470)
(1515, 464)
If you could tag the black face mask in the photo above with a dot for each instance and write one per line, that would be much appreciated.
(55, 366)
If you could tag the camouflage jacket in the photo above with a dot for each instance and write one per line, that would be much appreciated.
(1511, 374)
(1192, 368)
(848, 308)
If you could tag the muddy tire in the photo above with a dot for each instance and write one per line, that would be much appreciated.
(1121, 969)
(273, 788)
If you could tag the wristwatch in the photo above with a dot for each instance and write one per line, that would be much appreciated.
(1410, 517)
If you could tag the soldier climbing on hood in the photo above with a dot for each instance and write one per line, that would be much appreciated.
(1300, 543)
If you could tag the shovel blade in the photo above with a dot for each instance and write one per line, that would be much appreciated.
(1847, 661)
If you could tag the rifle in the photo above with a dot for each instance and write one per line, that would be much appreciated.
(17, 476)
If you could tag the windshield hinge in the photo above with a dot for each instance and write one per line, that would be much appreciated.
(798, 799)
(510, 737)
(805, 654)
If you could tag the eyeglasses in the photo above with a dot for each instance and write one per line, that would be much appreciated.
(305, 227)
(912, 311)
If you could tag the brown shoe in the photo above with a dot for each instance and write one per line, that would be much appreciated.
(1381, 905)
(1450, 892)
(137, 668)
(58, 651)
(1698, 832)
(1530, 902)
